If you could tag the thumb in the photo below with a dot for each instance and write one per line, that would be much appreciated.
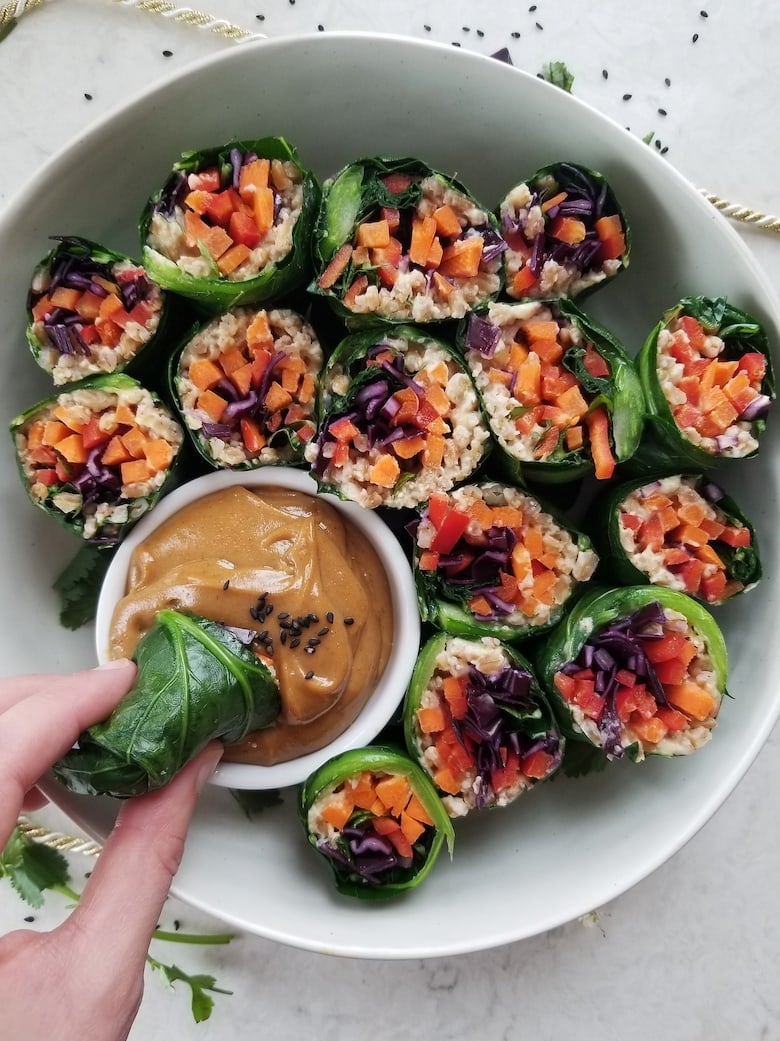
(130, 883)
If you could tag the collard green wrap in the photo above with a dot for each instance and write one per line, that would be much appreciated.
(94, 311)
(374, 815)
(194, 214)
(98, 455)
(678, 530)
(708, 383)
(559, 390)
(492, 560)
(636, 670)
(400, 241)
(195, 682)
(566, 231)
(477, 722)
(400, 418)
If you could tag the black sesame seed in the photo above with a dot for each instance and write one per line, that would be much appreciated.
(313, 617)
(657, 144)
(662, 112)
(455, 43)
(480, 33)
(309, 675)
(466, 28)
(539, 25)
(283, 615)
(295, 643)
(323, 631)
(87, 874)
(604, 74)
(283, 637)
(667, 81)
(167, 54)
(321, 28)
(694, 38)
(176, 924)
(88, 97)
(532, 8)
(627, 97)
(313, 641)
(260, 17)
(704, 14)
(29, 918)
(515, 36)
(330, 618)
(665, 149)
(349, 620)
(427, 28)
(226, 583)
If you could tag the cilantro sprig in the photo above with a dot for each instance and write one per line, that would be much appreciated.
(33, 869)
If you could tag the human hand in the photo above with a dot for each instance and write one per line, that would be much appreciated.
(84, 979)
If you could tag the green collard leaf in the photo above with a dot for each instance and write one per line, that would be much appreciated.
(557, 73)
(581, 759)
(79, 586)
(202, 1003)
(32, 868)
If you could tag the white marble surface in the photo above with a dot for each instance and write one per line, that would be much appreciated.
(691, 952)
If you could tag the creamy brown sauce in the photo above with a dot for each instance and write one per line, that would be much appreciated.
(218, 556)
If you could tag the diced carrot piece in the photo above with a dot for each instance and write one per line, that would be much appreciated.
(252, 176)
(212, 404)
(691, 699)
(409, 447)
(445, 780)
(454, 689)
(196, 200)
(442, 286)
(242, 378)
(575, 438)
(373, 234)
(263, 210)
(136, 471)
(649, 731)
(220, 207)
(567, 229)
(195, 228)
(528, 385)
(124, 415)
(521, 562)
(572, 402)
(72, 448)
(554, 201)
(337, 810)
(88, 305)
(65, 298)
(691, 536)
(343, 429)
(385, 472)
(608, 227)
(159, 453)
(735, 536)
(115, 453)
(435, 254)
(534, 542)
(395, 792)
(216, 241)
(431, 719)
(231, 359)
(416, 810)
(423, 234)
(540, 329)
(479, 605)
(543, 584)
(50, 433)
(135, 442)
(713, 587)
(447, 223)
(709, 556)
(410, 828)
(233, 258)
(461, 259)
(363, 794)
(110, 307)
(41, 308)
(428, 560)
(277, 397)
(523, 280)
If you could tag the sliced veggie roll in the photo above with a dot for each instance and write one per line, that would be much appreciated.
(374, 815)
(401, 419)
(195, 682)
(232, 225)
(398, 240)
(681, 531)
(246, 386)
(560, 392)
(566, 232)
(90, 311)
(476, 720)
(97, 455)
(490, 560)
(707, 377)
(636, 671)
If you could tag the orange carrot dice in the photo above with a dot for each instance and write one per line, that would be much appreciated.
(385, 472)
(374, 234)
(136, 471)
(212, 404)
(462, 258)
(423, 233)
(158, 453)
(431, 719)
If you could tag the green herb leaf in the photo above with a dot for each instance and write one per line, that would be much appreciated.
(202, 1003)
(254, 802)
(32, 868)
(581, 759)
(556, 72)
(79, 586)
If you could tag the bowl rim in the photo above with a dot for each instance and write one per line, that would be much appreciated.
(389, 691)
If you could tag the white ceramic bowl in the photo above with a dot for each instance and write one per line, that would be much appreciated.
(572, 845)
(387, 695)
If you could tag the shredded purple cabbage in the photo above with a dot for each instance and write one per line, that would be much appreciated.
(482, 335)
(488, 731)
(360, 851)
(621, 645)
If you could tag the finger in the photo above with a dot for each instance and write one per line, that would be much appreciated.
(37, 730)
(130, 883)
(34, 800)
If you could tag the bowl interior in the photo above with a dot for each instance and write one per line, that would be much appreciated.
(573, 844)
(406, 623)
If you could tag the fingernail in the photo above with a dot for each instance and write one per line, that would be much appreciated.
(211, 758)
(116, 663)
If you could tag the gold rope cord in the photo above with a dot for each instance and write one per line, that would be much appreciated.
(56, 840)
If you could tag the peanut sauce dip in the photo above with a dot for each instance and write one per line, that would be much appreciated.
(266, 559)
